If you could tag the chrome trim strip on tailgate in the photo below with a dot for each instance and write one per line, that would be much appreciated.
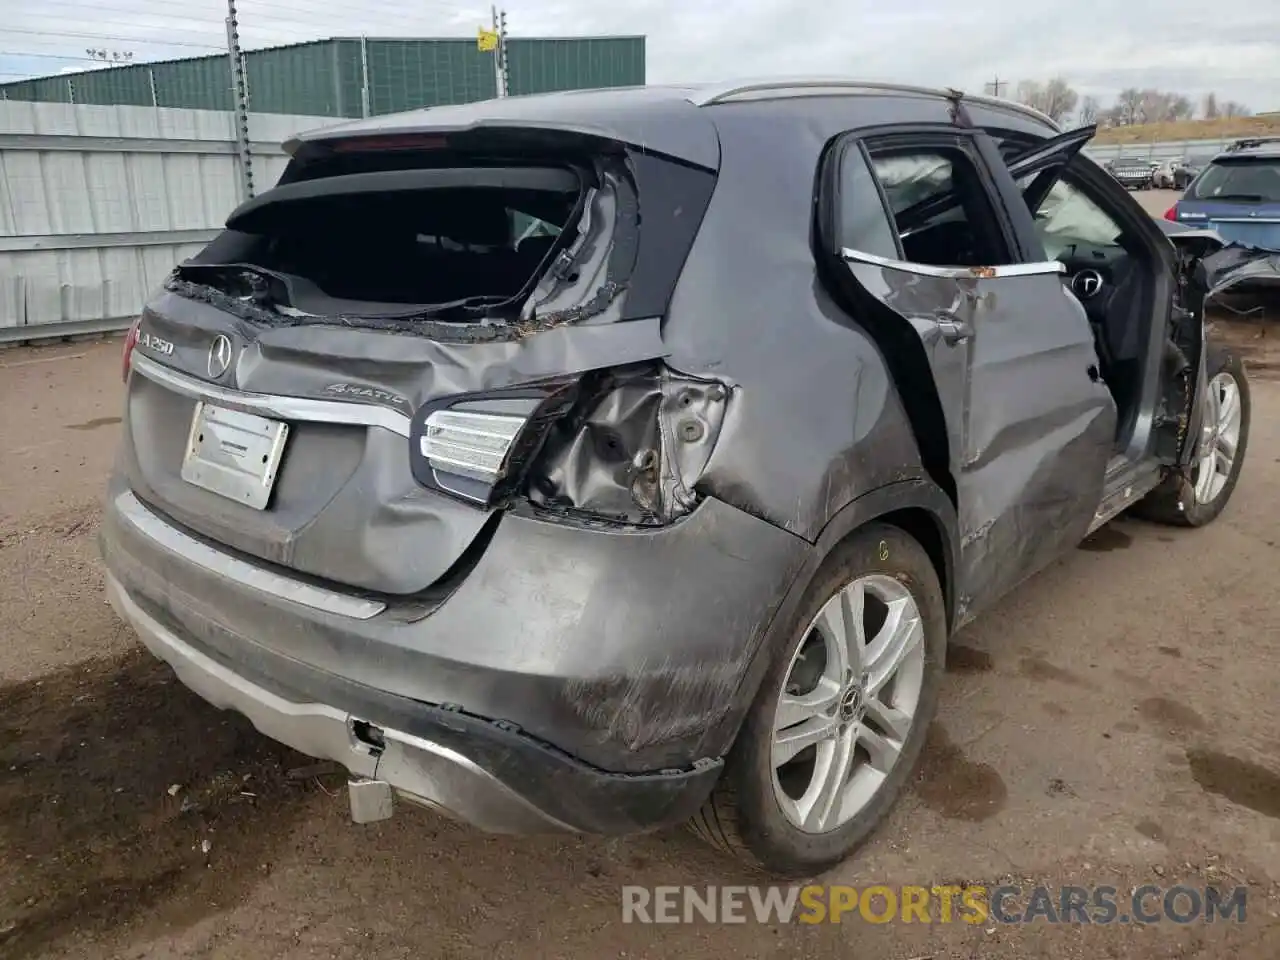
(146, 523)
(269, 405)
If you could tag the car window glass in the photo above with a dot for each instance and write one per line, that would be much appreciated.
(525, 226)
(1254, 180)
(862, 223)
(1067, 217)
(963, 233)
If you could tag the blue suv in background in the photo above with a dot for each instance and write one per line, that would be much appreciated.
(1238, 195)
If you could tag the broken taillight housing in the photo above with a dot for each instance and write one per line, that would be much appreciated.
(475, 447)
(626, 445)
(130, 341)
(1171, 213)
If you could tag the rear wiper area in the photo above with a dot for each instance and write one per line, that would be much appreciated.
(267, 298)
(243, 281)
(1242, 197)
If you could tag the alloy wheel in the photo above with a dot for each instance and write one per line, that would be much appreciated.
(1219, 437)
(848, 703)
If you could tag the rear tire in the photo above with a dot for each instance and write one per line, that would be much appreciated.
(760, 811)
(1195, 499)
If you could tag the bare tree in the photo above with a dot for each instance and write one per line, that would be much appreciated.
(1030, 92)
(1233, 109)
(1090, 109)
(1210, 106)
(1128, 106)
(1056, 98)
(1181, 108)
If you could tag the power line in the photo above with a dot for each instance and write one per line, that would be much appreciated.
(287, 23)
(107, 36)
(68, 56)
(213, 25)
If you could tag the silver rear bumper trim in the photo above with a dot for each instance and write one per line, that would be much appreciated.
(419, 770)
(146, 523)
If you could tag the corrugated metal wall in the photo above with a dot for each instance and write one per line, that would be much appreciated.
(325, 78)
(100, 203)
(1200, 150)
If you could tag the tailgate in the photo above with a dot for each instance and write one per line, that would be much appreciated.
(343, 504)
(1260, 229)
(347, 381)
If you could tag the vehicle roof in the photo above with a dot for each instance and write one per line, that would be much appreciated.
(670, 119)
(1263, 151)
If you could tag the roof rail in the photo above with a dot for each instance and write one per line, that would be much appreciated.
(1246, 143)
(783, 86)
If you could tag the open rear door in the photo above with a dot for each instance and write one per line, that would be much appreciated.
(995, 349)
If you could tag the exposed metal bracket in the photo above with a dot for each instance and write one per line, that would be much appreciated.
(959, 115)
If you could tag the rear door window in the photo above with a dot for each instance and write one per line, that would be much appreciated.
(941, 211)
(862, 223)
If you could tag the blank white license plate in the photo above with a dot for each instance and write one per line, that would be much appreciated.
(234, 454)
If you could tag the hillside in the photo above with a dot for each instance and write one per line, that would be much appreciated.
(1192, 130)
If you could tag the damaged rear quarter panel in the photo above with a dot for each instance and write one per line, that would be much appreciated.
(814, 420)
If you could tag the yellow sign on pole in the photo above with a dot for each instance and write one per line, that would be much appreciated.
(487, 40)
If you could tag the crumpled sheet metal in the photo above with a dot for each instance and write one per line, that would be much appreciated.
(383, 501)
(1238, 266)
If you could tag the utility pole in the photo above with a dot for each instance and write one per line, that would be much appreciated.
(502, 52)
(499, 25)
(239, 101)
(996, 84)
(365, 93)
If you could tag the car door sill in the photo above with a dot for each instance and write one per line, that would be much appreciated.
(1126, 484)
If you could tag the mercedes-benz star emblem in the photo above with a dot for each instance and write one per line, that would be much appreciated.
(1086, 283)
(219, 356)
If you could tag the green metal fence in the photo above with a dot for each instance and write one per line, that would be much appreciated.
(327, 77)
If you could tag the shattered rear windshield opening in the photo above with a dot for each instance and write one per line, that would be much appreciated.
(1242, 179)
(395, 243)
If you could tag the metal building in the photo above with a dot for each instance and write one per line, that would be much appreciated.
(345, 77)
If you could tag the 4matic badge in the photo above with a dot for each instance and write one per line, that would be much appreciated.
(354, 391)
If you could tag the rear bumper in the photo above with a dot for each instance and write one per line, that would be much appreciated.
(577, 679)
(463, 766)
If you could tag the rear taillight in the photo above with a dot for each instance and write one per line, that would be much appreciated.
(130, 341)
(626, 446)
(1171, 213)
(476, 447)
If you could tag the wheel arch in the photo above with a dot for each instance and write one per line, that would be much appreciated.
(918, 507)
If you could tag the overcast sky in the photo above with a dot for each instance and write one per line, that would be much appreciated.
(1186, 45)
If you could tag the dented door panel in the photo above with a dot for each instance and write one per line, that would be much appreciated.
(1029, 425)
(1041, 429)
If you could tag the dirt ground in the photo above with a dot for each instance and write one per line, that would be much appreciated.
(1116, 721)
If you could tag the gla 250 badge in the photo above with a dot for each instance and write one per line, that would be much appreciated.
(151, 342)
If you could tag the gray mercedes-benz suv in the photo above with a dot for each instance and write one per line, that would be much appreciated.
(606, 460)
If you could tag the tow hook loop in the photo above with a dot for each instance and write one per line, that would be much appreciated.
(371, 800)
